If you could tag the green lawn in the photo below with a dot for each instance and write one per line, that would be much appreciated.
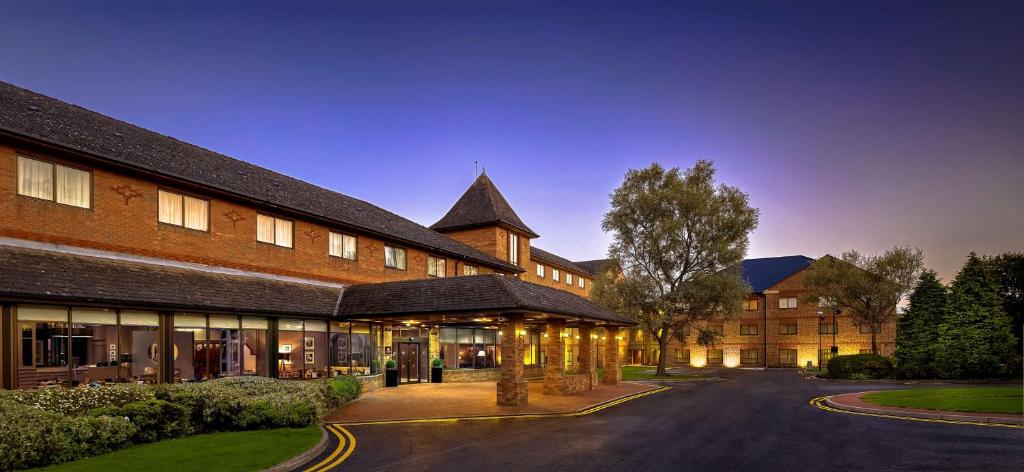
(223, 452)
(637, 372)
(981, 399)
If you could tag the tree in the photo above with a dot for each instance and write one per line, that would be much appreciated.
(917, 330)
(869, 287)
(975, 340)
(1008, 270)
(679, 240)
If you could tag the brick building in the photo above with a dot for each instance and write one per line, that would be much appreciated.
(131, 256)
(777, 328)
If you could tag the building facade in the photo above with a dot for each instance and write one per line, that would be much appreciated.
(132, 256)
(777, 327)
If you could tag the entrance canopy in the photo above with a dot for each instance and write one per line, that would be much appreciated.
(471, 297)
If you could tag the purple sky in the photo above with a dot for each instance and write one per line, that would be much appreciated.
(857, 126)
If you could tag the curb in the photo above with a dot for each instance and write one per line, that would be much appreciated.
(307, 456)
(915, 382)
(924, 415)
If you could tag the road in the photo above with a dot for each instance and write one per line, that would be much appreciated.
(749, 420)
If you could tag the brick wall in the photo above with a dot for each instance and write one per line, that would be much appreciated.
(130, 225)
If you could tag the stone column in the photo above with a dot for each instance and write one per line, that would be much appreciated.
(512, 388)
(554, 370)
(612, 372)
(588, 358)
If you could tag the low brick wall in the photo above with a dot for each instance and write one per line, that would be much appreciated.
(533, 371)
(371, 382)
(469, 375)
(572, 383)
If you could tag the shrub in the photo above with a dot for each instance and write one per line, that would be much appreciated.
(76, 401)
(346, 388)
(33, 437)
(437, 362)
(153, 419)
(860, 366)
(390, 364)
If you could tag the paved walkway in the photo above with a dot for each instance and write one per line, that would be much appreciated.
(448, 400)
(855, 402)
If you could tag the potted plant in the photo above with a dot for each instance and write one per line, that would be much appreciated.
(436, 369)
(391, 373)
(375, 367)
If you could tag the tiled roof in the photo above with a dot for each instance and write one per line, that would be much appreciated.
(59, 277)
(763, 273)
(481, 205)
(28, 114)
(595, 266)
(538, 253)
(490, 292)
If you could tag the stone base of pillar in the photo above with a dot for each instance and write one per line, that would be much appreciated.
(512, 393)
(612, 371)
(512, 387)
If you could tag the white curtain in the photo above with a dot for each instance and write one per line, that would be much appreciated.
(139, 318)
(254, 323)
(350, 246)
(223, 322)
(316, 326)
(264, 229)
(400, 258)
(336, 245)
(196, 214)
(100, 316)
(283, 232)
(35, 178)
(42, 313)
(170, 208)
(73, 187)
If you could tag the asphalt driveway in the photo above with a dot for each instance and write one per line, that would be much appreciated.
(749, 420)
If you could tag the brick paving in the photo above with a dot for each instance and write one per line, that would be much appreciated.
(419, 401)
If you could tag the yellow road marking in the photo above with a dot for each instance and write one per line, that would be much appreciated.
(819, 402)
(346, 445)
(525, 416)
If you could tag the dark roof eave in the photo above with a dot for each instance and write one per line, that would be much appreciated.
(156, 306)
(570, 266)
(502, 223)
(39, 140)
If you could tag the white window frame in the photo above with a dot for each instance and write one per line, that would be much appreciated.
(54, 188)
(581, 282)
(540, 270)
(436, 266)
(400, 262)
(513, 248)
(568, 278)
(555, 275)
(786, 303)
(345, 239)
(276, 221)
(182, 201)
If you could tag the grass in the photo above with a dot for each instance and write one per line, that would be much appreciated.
(223, 452)
(637, 372)
(978, 400)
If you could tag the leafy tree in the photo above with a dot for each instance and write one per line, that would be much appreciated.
(917, 330)
(1008, 270)
(679, 240)
(869, 287)
(975, 340)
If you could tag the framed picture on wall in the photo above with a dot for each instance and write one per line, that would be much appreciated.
(310, 357)
(285, 349)
(310, 343)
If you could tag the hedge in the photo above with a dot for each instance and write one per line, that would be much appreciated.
(860, 367)
(49, 426)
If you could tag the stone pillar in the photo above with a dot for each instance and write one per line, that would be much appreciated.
(612, 372)
(512, 389)
(554, 370)
(588, 358)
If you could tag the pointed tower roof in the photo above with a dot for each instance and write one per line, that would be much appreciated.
(481, 205)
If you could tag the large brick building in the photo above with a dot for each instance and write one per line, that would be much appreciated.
(777, 327)
(132, 256)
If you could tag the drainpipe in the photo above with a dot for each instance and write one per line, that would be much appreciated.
(765, 332)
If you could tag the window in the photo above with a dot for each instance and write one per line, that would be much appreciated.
(180, 210)
(788, 302)
(787, 327)
(394, 257)
(343, 246)
(824, 355)
(54, 182)
(717, 328)
(827, 328)
(435, 266)
(555, 275)
(748, 329)
(682, 356)
(513, 248)
(274, 231)
(580, 281)
(865, 328)
(865, 351)
(568, 278)
(748, 356)
(470, 270)
(714, 356)
(787, 356)
(540, 270)
(750, 304)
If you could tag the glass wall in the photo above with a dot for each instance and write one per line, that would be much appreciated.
(225, 346)
(44, 345)
(289, 349)
(469, 348)
(93, 345)
(355, 347)
(254, 355)
(190, 362)
(139, 358)
(314, 349)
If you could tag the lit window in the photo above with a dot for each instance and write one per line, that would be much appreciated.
(568, 278)
(274, 231)
(717, 328)
(54, 182)
(513, 248)
(394, 257)
(555, 275)
(748, 356)
(787, 356)
(750, 304)
(343, 246)
(185, 211)
(470, 270)
(789, 302)
(787, 328)
(682, 356)
(827, 328)
(748, 329)
(435, 266)
(540, 270)
(581, 281)
(714, 356)
(865, 328)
